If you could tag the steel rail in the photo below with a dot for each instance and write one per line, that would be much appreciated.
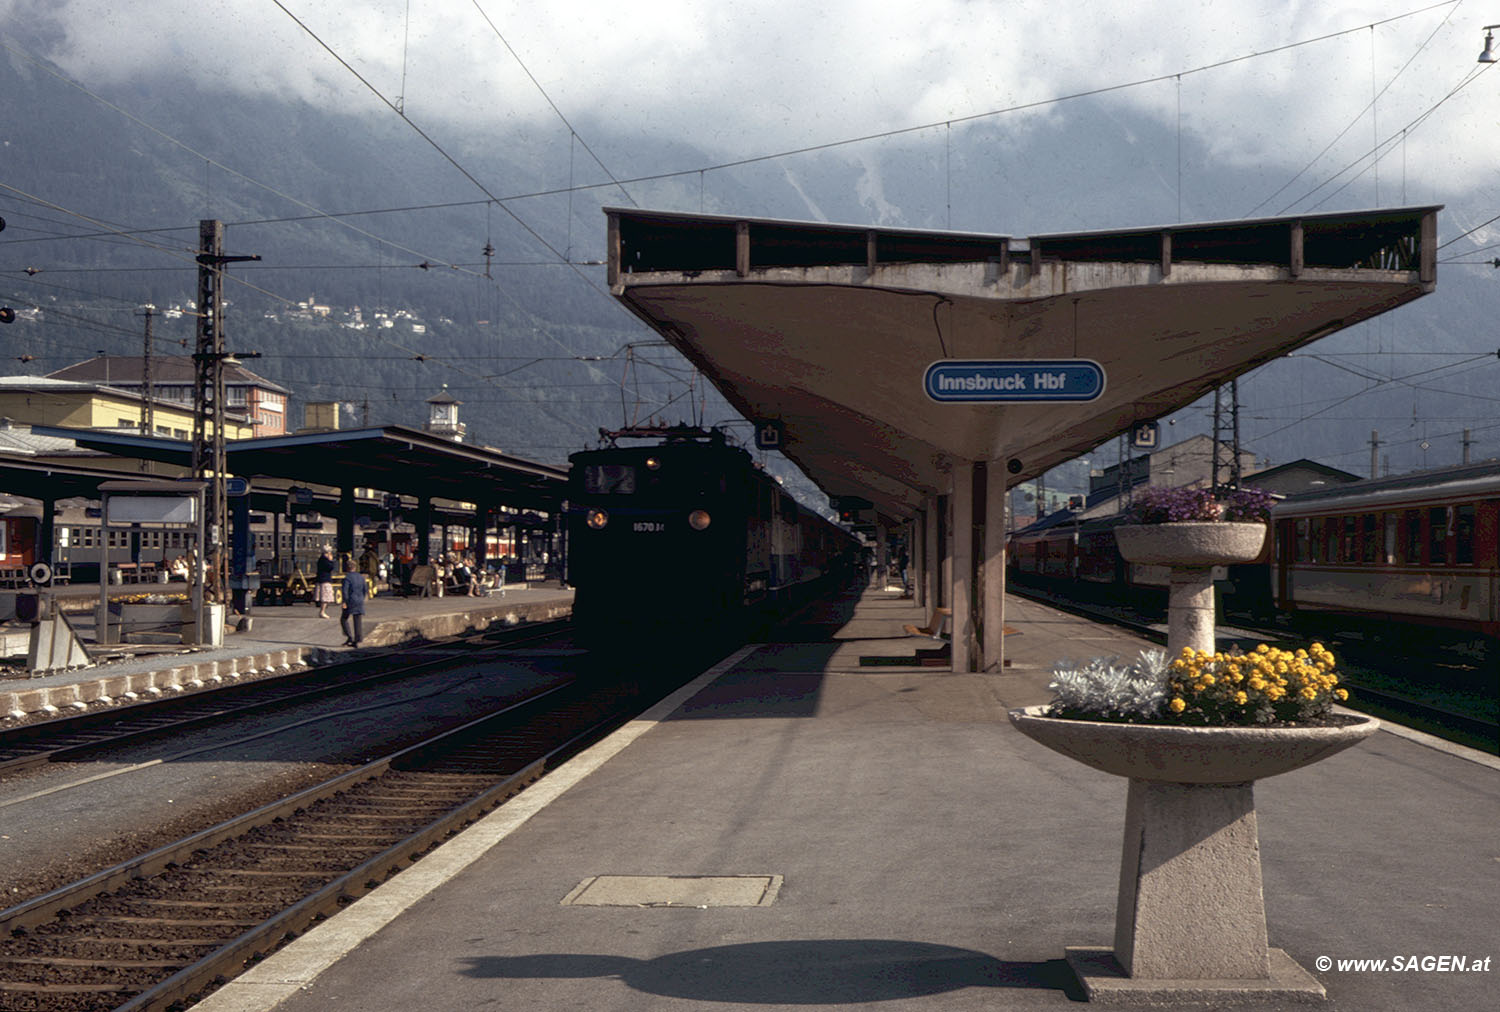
(73, 737)
(594, 711)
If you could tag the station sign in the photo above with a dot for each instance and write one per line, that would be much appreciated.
(1011, 381)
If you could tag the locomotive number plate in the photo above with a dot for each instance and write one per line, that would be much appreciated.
(648, 527)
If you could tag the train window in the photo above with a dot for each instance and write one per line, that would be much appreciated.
(1369, 544)
(1348, 551)
(1437, 534)
(1303, 551)
(1411, 538)
(609, 479)
(1463, 534)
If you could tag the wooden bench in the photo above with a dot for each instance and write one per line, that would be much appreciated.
(937, 630)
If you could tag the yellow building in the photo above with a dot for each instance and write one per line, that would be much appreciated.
(38, 400)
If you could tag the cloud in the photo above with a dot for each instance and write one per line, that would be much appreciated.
(750, 78)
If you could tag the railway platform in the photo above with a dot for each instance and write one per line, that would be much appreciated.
(278, 638)
(820, 822)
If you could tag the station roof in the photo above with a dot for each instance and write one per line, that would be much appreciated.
(390, 458)
(830, 328)
(31, 479)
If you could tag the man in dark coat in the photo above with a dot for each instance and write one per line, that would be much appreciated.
(356, 589)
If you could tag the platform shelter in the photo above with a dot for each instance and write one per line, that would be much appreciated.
(393, 459)
(905, 368)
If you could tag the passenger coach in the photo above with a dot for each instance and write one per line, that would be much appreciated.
(1417, 549)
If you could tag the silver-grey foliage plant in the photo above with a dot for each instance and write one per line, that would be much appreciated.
(1105, 688)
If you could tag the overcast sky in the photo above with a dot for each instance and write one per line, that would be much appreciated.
(750, 78)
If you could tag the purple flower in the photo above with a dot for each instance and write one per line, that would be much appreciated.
(1160, 505)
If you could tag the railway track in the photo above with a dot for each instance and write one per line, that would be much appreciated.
(72, 737)
(1473, 730)
(155, 931)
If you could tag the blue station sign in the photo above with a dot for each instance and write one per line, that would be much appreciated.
(1011, 381)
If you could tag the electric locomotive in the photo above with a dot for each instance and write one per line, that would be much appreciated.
(686, 540)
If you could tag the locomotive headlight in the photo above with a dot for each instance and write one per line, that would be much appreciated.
(653, 464)
(699, 520)
(597, 520)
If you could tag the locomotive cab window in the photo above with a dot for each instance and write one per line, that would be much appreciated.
(609, 479)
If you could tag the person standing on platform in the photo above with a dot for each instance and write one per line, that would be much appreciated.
(323, 588)
(356, 589)
(369, 564)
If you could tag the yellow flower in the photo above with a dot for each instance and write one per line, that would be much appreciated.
(1177, 705)
(1341, 694)
(1241, 698)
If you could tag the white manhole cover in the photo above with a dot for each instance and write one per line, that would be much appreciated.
(675, 891)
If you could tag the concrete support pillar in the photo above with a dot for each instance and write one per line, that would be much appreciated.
(916, 544)
(945, 541)
(345, 521)
(46, 535)
(424, 531)
(482, 539)
(932, 554)
(962, 566)
(993, 568)
(882, 553)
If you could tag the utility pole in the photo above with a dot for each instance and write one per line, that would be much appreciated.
(1374, 453)
(209, 402)
(1467, 443)
(1231, 428)
(148, 410)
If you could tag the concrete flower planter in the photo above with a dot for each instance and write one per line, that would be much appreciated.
(1191, 549)
(1191, 543)
(1190, 923)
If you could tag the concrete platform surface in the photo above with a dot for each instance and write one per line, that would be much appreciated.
(801, 828)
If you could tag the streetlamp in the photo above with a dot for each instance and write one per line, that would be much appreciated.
(1487, 55)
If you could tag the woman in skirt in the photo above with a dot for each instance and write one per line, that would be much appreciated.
(323, 588)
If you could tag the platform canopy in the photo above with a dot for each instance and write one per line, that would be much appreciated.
(389, 458)
(830, 329)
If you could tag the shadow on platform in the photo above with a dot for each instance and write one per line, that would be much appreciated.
(805, 972)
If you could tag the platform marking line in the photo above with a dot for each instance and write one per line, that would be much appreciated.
(295, 967)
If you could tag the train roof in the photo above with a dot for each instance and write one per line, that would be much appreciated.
(1439, 485)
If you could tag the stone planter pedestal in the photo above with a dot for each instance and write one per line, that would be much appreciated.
(1190, 921)
(1191, 550)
